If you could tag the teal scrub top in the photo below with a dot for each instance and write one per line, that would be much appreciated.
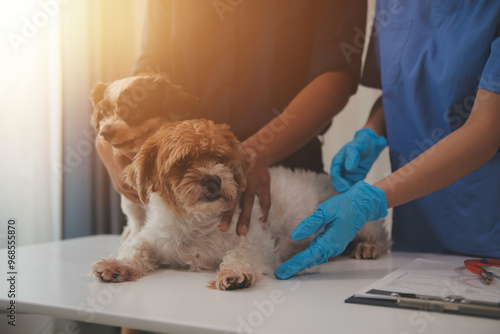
(429, 58)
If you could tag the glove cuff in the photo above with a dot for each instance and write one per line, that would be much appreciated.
(379, 141)
(374, 195)
(383, 202)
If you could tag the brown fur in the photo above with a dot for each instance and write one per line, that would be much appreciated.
(162, 163)
(129, 110)
(173, 172)
(113, 270)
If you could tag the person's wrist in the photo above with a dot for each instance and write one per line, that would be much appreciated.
(373, 195)
(376, 130)
(382, 203)
(379, 142)
(368, 132)
(261, 153)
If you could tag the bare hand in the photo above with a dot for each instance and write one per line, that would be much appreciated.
(258, 184)
(115, 164)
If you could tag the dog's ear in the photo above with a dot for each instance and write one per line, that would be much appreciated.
(96, 96)
(245, 157)
(141, 173)
(242, 155)
(97, 93)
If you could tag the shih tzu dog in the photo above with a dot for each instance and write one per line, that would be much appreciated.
(131, 109)
(127, 111)
(188, 174)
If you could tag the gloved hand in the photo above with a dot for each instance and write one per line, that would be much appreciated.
(354, 160)
(342, 216)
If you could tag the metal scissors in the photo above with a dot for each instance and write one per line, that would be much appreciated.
(488, 268)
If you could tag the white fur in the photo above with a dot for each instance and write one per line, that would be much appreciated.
(136, 216)
(197, 243)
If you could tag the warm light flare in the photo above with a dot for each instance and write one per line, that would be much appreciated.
(30, 115)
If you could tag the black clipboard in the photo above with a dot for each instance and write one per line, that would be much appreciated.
(450, 304)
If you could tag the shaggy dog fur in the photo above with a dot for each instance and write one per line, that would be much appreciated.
(189, 173)
(129, 110)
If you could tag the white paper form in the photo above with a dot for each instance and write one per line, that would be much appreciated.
(436, 279)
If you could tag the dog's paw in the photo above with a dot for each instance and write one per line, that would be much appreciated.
(111, 270)
(233, 277)
(366, 250)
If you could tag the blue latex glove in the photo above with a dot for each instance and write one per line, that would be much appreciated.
(341, 217)
(354, 160)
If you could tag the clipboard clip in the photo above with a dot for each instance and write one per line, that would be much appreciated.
(455, 304)
(489, 269)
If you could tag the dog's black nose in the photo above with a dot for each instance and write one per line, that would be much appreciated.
(211, 188)
(107, 133)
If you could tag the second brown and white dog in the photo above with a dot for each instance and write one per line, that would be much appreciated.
(189, 173)
(127, 111)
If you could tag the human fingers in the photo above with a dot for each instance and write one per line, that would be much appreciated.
(309, 226)
(338, 172)
(301, 261)
(130, 193)
(265, 201)
(352, 158)
(227, 216)
(247, 201)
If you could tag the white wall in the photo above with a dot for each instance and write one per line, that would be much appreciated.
(352, 118)
(100, 42)
(30, 123)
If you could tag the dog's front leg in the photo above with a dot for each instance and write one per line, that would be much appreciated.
(244, 266)
(137, 257)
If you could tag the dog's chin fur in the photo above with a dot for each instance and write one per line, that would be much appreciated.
(177, 173)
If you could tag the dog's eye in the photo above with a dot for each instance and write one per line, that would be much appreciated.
(133, 116)
(182, 164)
(104, 112)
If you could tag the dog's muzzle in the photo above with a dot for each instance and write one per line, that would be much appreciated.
(211, 188)
(107, 133)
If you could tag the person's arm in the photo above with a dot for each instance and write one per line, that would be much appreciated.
(303, 119)
(460, 153)
(306, 115)
(455, 156)
(376, 120)
(115, 164)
